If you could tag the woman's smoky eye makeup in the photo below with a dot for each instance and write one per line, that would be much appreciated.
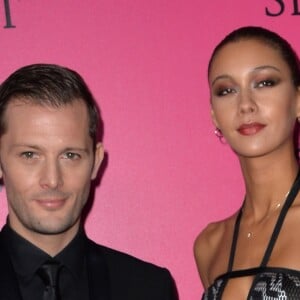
(221, 89)
(265, 83)
(266, 78)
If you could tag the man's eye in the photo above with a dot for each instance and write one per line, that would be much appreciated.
(28, 154)
(72, 155)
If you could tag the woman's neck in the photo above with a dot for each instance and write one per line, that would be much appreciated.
(267, 181)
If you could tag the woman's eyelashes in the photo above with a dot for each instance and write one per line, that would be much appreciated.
(224, 90)
(265, 83)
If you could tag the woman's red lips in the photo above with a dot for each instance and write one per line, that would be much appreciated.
(250, 129)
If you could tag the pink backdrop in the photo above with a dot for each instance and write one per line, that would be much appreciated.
(145, 61)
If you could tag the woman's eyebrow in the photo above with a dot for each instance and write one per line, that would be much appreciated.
(259, 68)
(266, 67)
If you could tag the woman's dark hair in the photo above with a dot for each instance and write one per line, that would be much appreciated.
(50, 85)
(269, 38)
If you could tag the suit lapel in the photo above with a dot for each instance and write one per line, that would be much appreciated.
(98, 275)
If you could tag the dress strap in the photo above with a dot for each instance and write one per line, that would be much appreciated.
(234, 240)
(287, 204)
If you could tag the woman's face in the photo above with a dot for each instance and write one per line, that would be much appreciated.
(253, 100)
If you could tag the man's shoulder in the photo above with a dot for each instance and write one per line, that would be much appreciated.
(122, 260)
(131, 277)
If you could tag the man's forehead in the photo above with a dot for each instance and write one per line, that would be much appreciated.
(24, 109)
(46, 124)
(51, 103)
(30, 106)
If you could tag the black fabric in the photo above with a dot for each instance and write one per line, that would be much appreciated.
(26, 259)
(111, 275)
(128, 278)
(269, 283)
(49, 273)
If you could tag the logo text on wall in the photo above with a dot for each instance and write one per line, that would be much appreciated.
(279, 8)
(7, 15)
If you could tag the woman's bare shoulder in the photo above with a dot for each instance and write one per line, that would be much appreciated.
(211, 235)
(207, 243)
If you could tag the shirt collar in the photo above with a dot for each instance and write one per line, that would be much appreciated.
(73, 255)
(27, 258)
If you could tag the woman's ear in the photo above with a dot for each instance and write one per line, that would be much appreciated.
(213, 117)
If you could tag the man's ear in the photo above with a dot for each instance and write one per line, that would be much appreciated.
(298, 103)
(1, 172)
(99, 154)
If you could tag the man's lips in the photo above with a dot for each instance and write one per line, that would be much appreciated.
(250, 129)
(51, 204)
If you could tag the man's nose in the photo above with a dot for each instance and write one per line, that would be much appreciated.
(51, 175)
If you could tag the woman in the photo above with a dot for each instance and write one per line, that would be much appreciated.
(254, 80)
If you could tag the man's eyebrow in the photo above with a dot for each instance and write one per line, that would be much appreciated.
(67, 149)
(71, 149)
(26, 146)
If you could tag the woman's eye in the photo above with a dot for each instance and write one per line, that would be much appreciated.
(265, 83)
(224, 92)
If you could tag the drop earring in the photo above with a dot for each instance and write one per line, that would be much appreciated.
(219, 135)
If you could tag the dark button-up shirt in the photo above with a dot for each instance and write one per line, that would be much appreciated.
(27, 258)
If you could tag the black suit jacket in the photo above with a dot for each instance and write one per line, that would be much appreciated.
(112, 275)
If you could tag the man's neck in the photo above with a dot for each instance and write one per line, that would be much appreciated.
(52, 244)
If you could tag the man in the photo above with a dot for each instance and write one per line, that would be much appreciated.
(49, 154)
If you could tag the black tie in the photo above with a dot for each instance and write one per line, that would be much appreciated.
(49, 273)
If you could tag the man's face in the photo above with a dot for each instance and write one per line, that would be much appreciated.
(47, 163)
